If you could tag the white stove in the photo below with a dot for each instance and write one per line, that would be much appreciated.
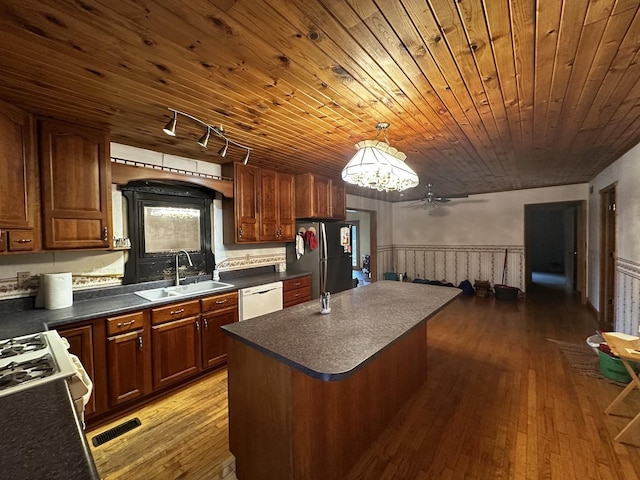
(31, 360)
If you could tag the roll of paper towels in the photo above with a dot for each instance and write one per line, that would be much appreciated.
(58, 292)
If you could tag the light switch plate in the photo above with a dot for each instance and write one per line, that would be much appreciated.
(24, 278)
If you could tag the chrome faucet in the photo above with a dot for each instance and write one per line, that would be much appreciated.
(190, 264)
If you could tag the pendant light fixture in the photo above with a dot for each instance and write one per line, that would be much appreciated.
(380, 166)
(170, 129)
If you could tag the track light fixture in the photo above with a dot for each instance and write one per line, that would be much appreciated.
(223, 151)
(170, 129)
(204, 140)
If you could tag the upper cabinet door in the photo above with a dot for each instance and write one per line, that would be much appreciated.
(338, 200)
(269, 229)
(245, 198)
(286, 207)
(18, 182)
(76, 186)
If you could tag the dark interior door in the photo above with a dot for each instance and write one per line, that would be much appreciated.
(607, 257)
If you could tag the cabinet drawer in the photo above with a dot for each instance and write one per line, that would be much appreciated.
(21, 240)
(294, 283)
(218, 302)
(175, 311)
(125, 323)
(294, 297)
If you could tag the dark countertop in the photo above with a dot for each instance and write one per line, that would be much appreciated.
(41, 436)
(362, 322)
(25, 322)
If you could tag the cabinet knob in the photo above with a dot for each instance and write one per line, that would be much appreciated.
(105, 234)
(220, 302)
(197, 326)
(240, 232)
(206, 324)
(140, 342)
(177, 312)
(24, 240)
(125, 324)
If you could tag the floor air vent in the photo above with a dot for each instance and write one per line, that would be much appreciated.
(114, 432)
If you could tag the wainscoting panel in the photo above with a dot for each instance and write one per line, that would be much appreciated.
(627, 296)
(455, 263)
(385, 260)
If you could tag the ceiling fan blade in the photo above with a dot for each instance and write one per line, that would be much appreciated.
(461, 195)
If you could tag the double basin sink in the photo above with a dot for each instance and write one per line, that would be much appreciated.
(182, 290)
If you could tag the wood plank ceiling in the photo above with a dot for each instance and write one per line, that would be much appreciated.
(482, 95)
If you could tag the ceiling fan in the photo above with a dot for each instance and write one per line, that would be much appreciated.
(432, 199)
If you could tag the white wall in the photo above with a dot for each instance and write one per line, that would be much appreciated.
(625, 173)
(487, 219)
(464, 239)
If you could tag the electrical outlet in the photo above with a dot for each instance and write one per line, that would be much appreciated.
(23, 279)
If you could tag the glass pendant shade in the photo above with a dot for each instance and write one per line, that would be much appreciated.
(380, 166)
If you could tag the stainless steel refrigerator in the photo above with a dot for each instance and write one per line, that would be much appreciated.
(329, 262)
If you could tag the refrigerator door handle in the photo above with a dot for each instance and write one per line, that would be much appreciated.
(323, 258)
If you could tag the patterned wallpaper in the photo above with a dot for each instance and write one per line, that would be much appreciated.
(627, 295)
(455, 263)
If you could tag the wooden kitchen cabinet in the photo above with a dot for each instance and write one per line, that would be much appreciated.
(80, 340)
(175, 337)
(319, 197)
(296, 290)
(245, 202)
(19, 188)
(277, 207)
(338, 200)
(76, 186)
(217, 311)
(128, 357)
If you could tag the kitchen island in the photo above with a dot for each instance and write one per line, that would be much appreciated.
(309, 393)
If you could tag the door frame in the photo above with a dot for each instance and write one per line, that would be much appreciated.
(580, 208)
(607, 301)
(373, 239)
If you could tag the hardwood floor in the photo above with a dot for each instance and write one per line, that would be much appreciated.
(500, 402)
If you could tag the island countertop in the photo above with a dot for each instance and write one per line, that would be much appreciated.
(362, 323)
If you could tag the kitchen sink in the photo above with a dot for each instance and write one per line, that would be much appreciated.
(180, 290)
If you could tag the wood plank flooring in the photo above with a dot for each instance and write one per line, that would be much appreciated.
(500, 402)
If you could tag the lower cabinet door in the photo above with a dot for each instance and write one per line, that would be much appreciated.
(176, 350)
(214, 342)
(129, 370)
(81, 345)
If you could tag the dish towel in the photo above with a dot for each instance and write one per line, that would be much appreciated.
(299, 246)
(310, 239)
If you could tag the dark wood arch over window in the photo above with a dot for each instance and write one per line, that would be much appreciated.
(145, 263)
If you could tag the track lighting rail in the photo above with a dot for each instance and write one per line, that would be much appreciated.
(170, 129)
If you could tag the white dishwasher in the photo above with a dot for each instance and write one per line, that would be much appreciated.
(260, 300)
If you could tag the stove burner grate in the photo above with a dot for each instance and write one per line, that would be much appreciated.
(20, 345)
(17, 373)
